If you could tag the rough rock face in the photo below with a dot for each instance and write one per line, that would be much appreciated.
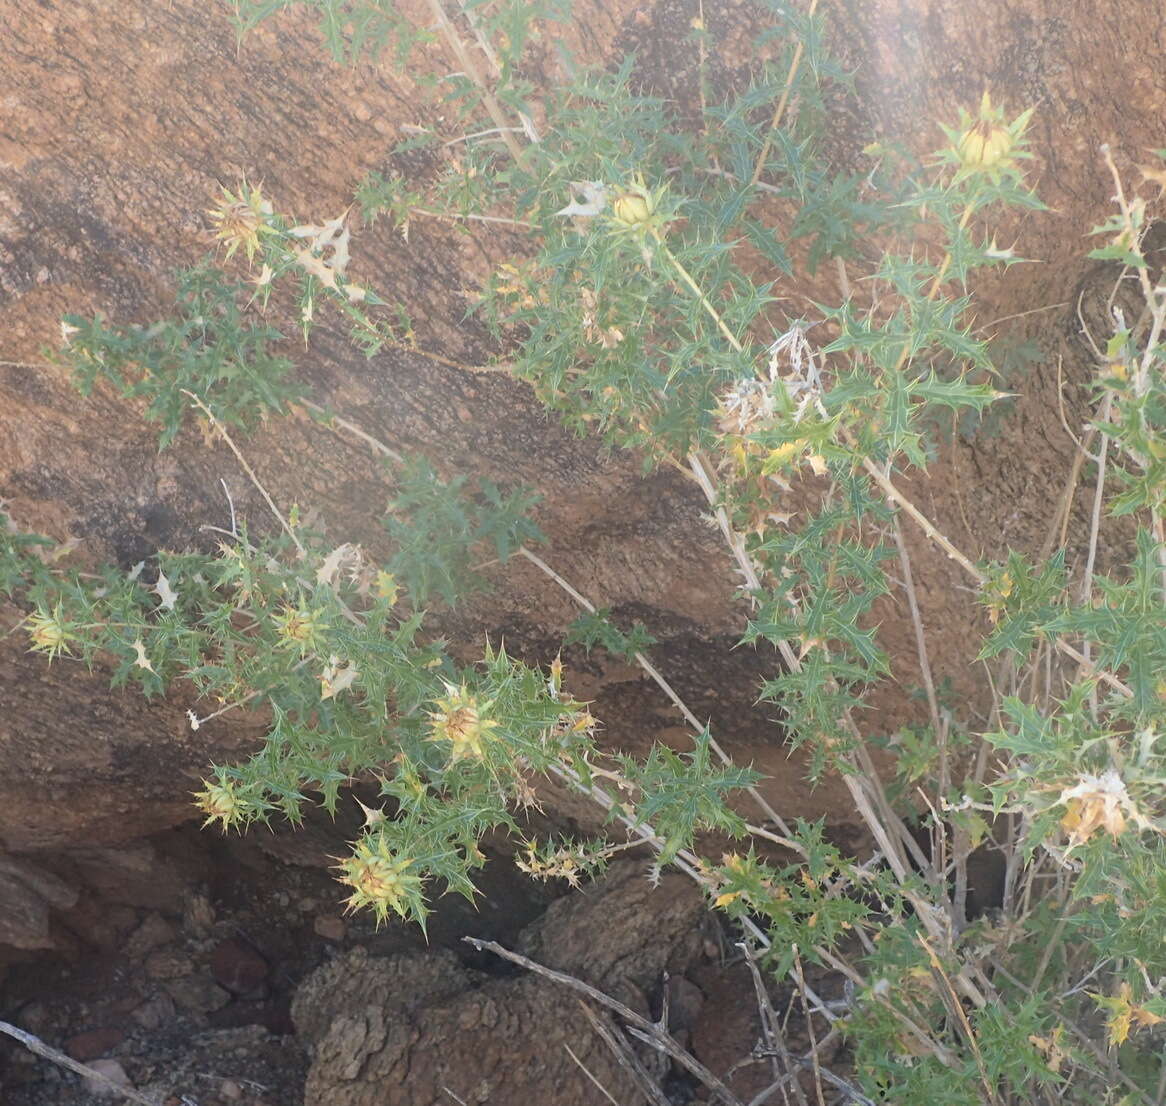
(121, 118)
(27, 894)
(403, 1029)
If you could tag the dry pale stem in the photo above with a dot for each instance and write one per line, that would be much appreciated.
(35, 1044)
(658, 1036)
(782, 103)
(470, 67)
(665, 686)
(214, 421)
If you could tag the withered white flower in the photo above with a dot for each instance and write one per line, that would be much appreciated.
(591, 199)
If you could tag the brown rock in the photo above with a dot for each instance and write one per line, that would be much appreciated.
(93, 1043)
(155, 1012)
(238, 967)
(685, 1002)
(100, 923)
(51, 888)
(197, 994)
(153, 932)
(330, 927)
(28, 892)
(168, 963)
(422, 1022)
(24, 922)
(114, 1073)
(132, 874)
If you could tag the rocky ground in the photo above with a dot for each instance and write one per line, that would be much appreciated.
(214, 972)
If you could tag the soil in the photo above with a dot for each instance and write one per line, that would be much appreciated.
(227, 974)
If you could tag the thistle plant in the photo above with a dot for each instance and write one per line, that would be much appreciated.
(643, 306)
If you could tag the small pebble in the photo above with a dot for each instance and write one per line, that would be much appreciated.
(238, 967)
(114, 1072)
(330, 927)
(155, 1012)
(93, 1043)
(198, 994)
(198, 915)
(168, 963)
(153, 931)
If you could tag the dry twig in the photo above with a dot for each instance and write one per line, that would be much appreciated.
(658, 1037)
(35, 1044)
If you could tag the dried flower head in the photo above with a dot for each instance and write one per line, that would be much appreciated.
(1099, 803)
(746, 407)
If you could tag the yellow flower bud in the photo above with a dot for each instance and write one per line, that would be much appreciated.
(984, 144)
(632, 209)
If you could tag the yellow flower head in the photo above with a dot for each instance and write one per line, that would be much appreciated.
(221, 802)
(299, 627)
(632, 208)
(380, 880)
(240, 219)
(984, 144)
(636, 209)
(461, 721)
(48, 632)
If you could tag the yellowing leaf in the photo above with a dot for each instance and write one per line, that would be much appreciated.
(726, 898)
(1121, 1014)
(783, 454)
(1154, 175)
(372, 816)
(1124, 1014)
(317, 267)
(1146, 1018)
(386, 588)
(1052, 1048)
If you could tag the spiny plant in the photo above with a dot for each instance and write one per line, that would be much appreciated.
(642, 307)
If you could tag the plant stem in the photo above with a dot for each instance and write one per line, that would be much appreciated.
(924, 523)
(779, 111)
(696, 289)
(667, 688)
(214, 420)
(466, 60)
